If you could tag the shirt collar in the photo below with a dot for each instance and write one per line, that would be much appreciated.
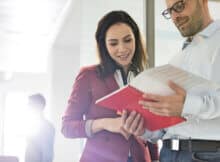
(210, 29)
(118, 77)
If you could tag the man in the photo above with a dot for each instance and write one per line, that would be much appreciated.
(197, 139)
(41, 142)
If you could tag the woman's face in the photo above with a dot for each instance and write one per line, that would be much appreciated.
(120, 43)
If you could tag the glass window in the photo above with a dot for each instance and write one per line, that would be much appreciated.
(214, 9)
(15, 121)
(167, 38)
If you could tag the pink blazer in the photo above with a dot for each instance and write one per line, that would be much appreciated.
(103, 146)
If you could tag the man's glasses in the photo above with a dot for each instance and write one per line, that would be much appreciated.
(178, 7)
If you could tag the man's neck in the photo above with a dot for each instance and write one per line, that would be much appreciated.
(209, 21)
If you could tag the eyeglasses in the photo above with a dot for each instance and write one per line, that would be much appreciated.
(178, 7)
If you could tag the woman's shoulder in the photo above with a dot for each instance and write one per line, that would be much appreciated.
(89, 68)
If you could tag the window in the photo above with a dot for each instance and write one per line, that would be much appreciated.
(19, 122)
(15, 122)
(167, 39)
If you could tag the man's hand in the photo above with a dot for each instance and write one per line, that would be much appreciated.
(166, 105)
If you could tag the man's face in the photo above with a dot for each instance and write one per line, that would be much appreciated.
(190, 20)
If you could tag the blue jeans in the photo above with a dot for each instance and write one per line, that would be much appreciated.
(167, 155)
(129, 159)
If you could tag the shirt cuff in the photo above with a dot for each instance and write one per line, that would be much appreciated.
(188, 111)
(152, 136)
(88, 128)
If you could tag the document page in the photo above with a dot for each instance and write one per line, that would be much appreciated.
(155, 80)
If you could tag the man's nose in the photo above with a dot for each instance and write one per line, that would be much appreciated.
(174, 15)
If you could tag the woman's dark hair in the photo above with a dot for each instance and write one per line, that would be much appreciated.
(107, 64)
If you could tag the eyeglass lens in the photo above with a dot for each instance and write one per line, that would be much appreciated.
(177, 7)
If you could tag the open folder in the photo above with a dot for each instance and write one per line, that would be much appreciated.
(154, 81)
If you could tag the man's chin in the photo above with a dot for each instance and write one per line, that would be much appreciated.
(184, 33)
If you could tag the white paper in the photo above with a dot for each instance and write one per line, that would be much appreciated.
(155, 80)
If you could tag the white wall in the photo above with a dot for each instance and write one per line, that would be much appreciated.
(64, 63)
(2, 103)
(93, 10)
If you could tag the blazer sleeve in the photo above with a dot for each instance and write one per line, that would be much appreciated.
(73, 124)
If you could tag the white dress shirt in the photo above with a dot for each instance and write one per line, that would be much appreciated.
(201, 109)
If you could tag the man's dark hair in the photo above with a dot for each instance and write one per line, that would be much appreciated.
(37, 100)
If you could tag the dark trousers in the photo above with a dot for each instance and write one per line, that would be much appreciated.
(167, 155)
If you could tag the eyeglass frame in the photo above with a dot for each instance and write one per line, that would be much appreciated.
(169, 10)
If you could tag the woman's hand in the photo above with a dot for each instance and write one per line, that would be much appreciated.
(114, 125)
(133, 123)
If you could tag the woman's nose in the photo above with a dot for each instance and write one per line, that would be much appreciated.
(121, 47)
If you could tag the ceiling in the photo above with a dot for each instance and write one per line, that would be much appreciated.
(20, 16)
(24, 27)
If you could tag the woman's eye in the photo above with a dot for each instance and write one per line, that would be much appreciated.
(128, 40)
(113, 44)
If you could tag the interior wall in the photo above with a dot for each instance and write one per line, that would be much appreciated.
(91, 14)
(64, 63)
(2, 99)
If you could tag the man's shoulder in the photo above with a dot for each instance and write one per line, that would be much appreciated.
(213, 30)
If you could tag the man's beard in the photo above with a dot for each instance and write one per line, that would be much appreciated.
(190, 25)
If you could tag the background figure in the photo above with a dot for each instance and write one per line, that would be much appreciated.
(41, 141)
(122, 56)
(197, 139)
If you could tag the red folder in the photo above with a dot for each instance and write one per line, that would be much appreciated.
(127, 98)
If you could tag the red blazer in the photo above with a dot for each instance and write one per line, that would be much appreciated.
(103, 146)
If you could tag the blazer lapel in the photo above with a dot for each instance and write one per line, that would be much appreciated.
(111, 83)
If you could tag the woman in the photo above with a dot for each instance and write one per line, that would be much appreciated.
(122, 57)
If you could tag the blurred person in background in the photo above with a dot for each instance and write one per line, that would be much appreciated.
(40, 142)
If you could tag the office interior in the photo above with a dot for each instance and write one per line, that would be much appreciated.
(43, 44)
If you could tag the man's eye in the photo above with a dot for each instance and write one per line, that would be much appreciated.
(179, 6)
